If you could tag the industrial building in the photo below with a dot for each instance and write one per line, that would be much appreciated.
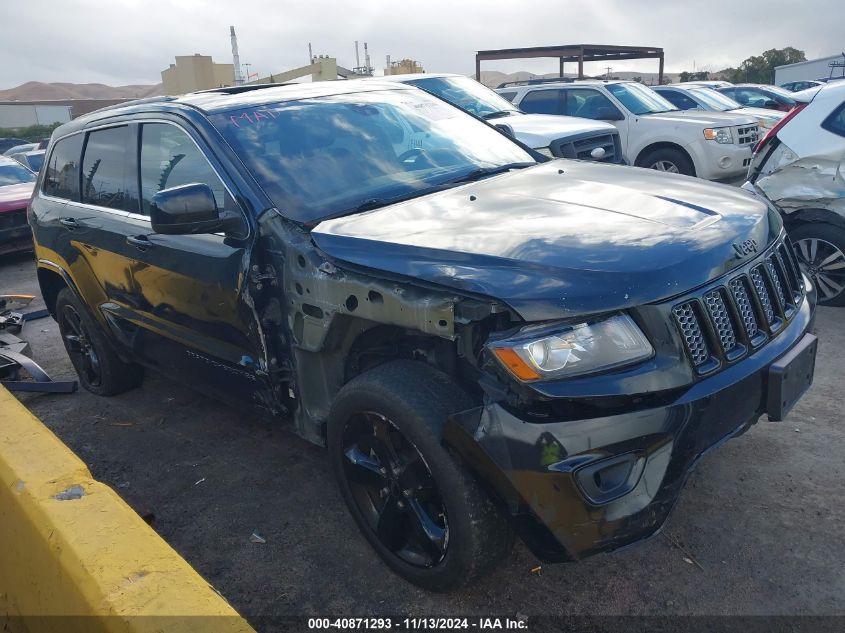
(196, 72)
(403, 67)
(821, 68)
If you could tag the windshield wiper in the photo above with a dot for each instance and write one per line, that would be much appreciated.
(482, 172)
(497, 115)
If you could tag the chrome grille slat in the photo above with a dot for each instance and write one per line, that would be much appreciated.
(743, 303)
(762, 293)
(776, 281)
(747, 134)
(693, 336)
(720, 319)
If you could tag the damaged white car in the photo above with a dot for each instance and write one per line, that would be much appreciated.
(800, 167)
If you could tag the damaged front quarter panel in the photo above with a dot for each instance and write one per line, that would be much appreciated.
(317, 312)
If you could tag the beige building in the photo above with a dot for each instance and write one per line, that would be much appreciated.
(196, 72)
(404, 67)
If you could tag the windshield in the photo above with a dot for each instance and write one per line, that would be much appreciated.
(35, 161)
(467, 94)
(327, 156)
(15, 174)
(780, 92)
(715, 100)
(640, 99)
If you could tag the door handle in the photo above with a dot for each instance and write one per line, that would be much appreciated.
(69, 223)
(139, 241)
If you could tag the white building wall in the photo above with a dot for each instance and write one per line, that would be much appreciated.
(13, 115)
(811, 69)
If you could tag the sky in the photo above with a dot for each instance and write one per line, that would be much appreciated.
(119, 42)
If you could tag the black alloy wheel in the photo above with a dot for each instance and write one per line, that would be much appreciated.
(77, 342)
(394, 490)
(413, 498)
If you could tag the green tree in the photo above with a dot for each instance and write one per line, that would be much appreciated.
(760, 69)
(701, 75)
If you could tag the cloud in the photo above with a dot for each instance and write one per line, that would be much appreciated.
(131, 41)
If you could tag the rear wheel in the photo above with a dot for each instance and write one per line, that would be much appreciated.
(413, 501)
(669, 160)
(820, 248)
(100, 369)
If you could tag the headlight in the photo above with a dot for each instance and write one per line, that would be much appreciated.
(573, 350)
(545, 151)
(719, 134)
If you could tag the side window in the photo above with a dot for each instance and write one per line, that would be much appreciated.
(107, 180)
(61, 177)
(170, 158)
(542, 102)
(678, 99)
(836, 121)
(731, 92)
(508, 95)
(588, 104)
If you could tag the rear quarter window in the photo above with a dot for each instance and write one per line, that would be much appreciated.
(508, 95)
(61, 173)
(836, 121)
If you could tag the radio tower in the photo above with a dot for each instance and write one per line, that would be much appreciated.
(239, 77)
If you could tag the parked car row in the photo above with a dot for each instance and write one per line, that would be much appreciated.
(654, 133)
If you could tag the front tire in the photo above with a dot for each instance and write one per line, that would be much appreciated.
(668, 160)
(820, 249)
(419, 508)
(100, 369)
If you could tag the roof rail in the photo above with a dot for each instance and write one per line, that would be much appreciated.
(132, 102)
(531, 82)
(233, 90)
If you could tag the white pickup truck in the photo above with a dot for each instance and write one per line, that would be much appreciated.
(555, 136)
(654, 133)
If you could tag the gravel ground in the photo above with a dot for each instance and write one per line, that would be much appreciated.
(757, 531)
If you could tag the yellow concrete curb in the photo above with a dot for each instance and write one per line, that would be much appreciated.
(70, 546)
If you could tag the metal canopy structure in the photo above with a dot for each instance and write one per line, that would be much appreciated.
(574, 53)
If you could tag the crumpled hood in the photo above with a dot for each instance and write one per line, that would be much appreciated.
(14, 197)
(538, 130)
(562, 238)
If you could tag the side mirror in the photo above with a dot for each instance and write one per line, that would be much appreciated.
(608, 114)
(184, 210)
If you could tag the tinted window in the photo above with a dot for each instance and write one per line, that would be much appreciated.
(170, 158)
(107, 180)
(588, 103)
(678, 99)
(508, 95)
(61, 178)
(13, 174)
(836, 121)
(467, 94)
(542, 102)
(35, 161)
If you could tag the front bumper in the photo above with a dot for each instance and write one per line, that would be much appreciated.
(554, 477)
(15, 234)
(715, 161)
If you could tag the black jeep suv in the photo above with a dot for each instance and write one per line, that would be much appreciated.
(487, 342)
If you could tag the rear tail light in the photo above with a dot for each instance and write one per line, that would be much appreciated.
(773, 132)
